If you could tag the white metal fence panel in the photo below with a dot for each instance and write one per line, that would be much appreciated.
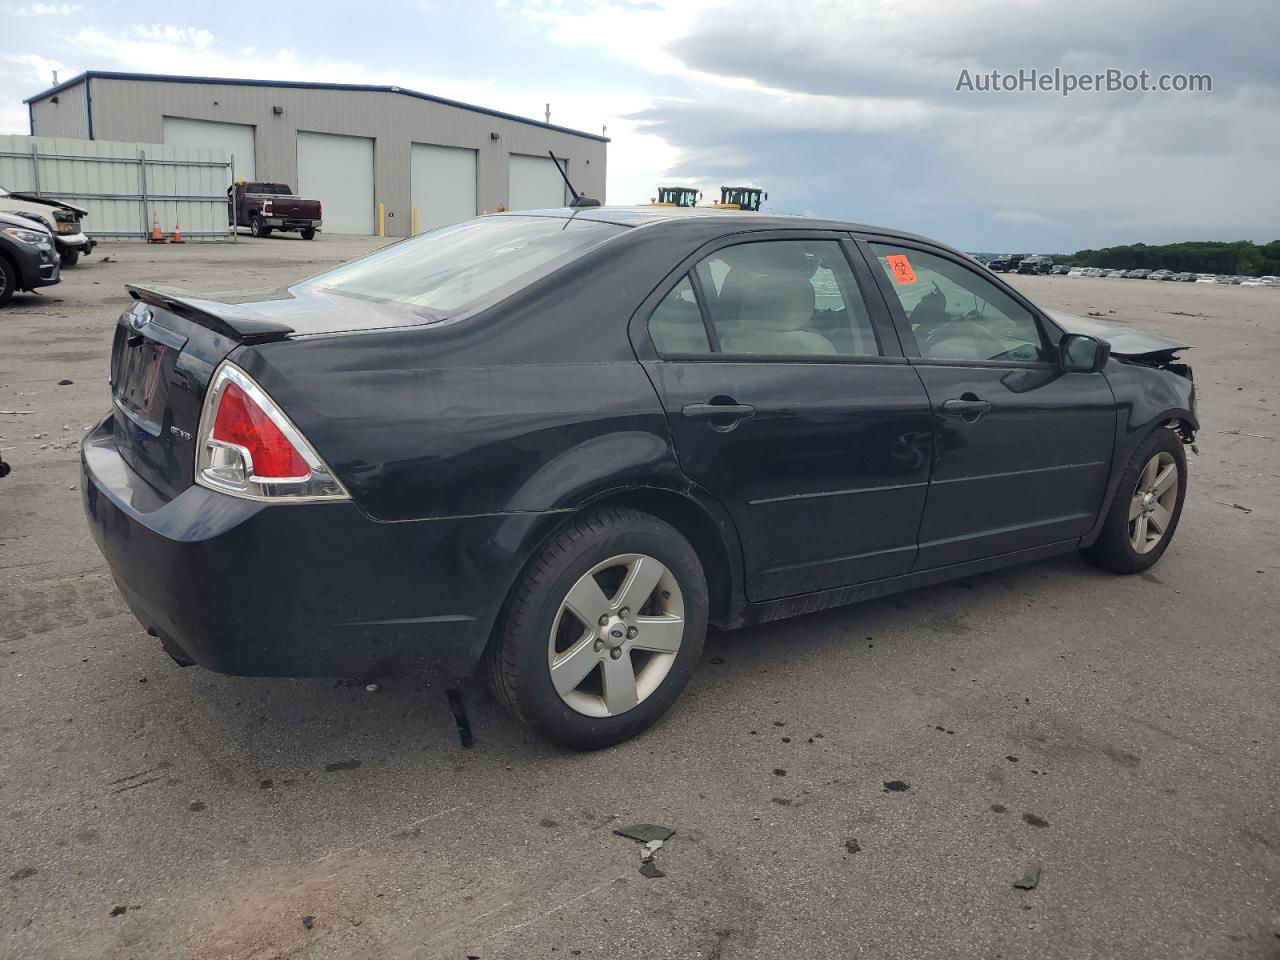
(123, 185)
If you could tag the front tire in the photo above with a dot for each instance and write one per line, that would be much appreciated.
(603, 630)
(8, 280)
(69, 258)
(1146, 508)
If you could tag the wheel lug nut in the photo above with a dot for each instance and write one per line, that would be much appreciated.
(598, 645)
(616, 652)
(632, 633)
(604, 619)
(624, 613)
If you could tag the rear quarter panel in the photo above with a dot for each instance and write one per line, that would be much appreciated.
(535, 404)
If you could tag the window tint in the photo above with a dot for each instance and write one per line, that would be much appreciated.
(956, 313)
(676, 324)
(786, 297)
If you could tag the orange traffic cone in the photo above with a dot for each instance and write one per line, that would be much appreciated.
(156, 235)
(177, 234)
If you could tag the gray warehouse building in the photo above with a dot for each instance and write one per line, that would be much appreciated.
(370, 154)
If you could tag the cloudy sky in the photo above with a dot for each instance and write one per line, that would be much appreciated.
(844, 108)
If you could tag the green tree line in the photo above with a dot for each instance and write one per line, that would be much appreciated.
(1241, 257)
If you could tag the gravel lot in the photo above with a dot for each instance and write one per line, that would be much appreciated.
(1122, 732)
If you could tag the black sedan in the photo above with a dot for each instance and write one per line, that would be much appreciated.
(28, 259)
(560, 443)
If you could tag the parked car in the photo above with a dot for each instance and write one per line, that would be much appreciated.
(1060, 269)
(1007, 262)
(1160, 275)
(264, 207)
(1139, 274)
(60, 218)
(1253, 282)
(548, 443)
(28, 257)
(1076, 272)
(1113, 274)
(1184, 277)
(1094, 272)
(1205, 278)
(1035, 264)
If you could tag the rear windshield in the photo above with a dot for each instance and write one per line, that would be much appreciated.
(276, 188)
(444, 271)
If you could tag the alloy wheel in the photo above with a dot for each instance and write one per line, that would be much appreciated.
(1153, 502)
(616, 635)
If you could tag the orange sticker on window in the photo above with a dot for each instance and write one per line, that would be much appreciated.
(901, 268)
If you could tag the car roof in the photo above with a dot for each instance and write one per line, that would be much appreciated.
(644, 216)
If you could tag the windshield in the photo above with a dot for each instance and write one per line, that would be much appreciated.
(447, 269)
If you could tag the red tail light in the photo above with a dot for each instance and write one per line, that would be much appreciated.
(266, 207)
(241, 423)
(247, 447)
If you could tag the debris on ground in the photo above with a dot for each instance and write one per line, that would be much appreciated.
(645, 832)
(65, 383)
(1234, 506)
(371, 687)
(460, 718)
(308, 922)
(1034, 820)
(852, 845)
(118, 911)
(651, 838)
(896, 786)
(1030, 877)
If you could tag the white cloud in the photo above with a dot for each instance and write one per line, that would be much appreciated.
(47, 10)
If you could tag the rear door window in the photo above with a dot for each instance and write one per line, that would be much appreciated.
(676, 323)
(776, 298)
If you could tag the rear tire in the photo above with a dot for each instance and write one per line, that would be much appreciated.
(8, 280)
(258, 228)
(308, 234)
(1146, 508)
(593, 680)
(69, 258)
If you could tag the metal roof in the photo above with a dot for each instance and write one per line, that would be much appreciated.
(306, 85)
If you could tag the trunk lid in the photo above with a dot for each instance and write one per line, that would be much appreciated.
(162, 359)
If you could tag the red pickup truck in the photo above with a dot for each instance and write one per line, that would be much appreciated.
(264, 207)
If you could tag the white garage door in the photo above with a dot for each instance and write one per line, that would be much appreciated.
(338, 171)
(235, 138)
(443, 185)
(534, 183)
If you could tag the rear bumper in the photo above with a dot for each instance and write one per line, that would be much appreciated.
(284, 223)
(254, 589)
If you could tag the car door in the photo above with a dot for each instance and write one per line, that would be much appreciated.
(1022, 450)
(789, 399)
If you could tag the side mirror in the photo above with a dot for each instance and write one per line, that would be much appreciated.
(1082, 354)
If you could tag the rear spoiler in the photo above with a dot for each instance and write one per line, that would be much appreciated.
(219, 317)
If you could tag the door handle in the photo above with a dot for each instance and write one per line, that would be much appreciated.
(968, 408)
(723, 416)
